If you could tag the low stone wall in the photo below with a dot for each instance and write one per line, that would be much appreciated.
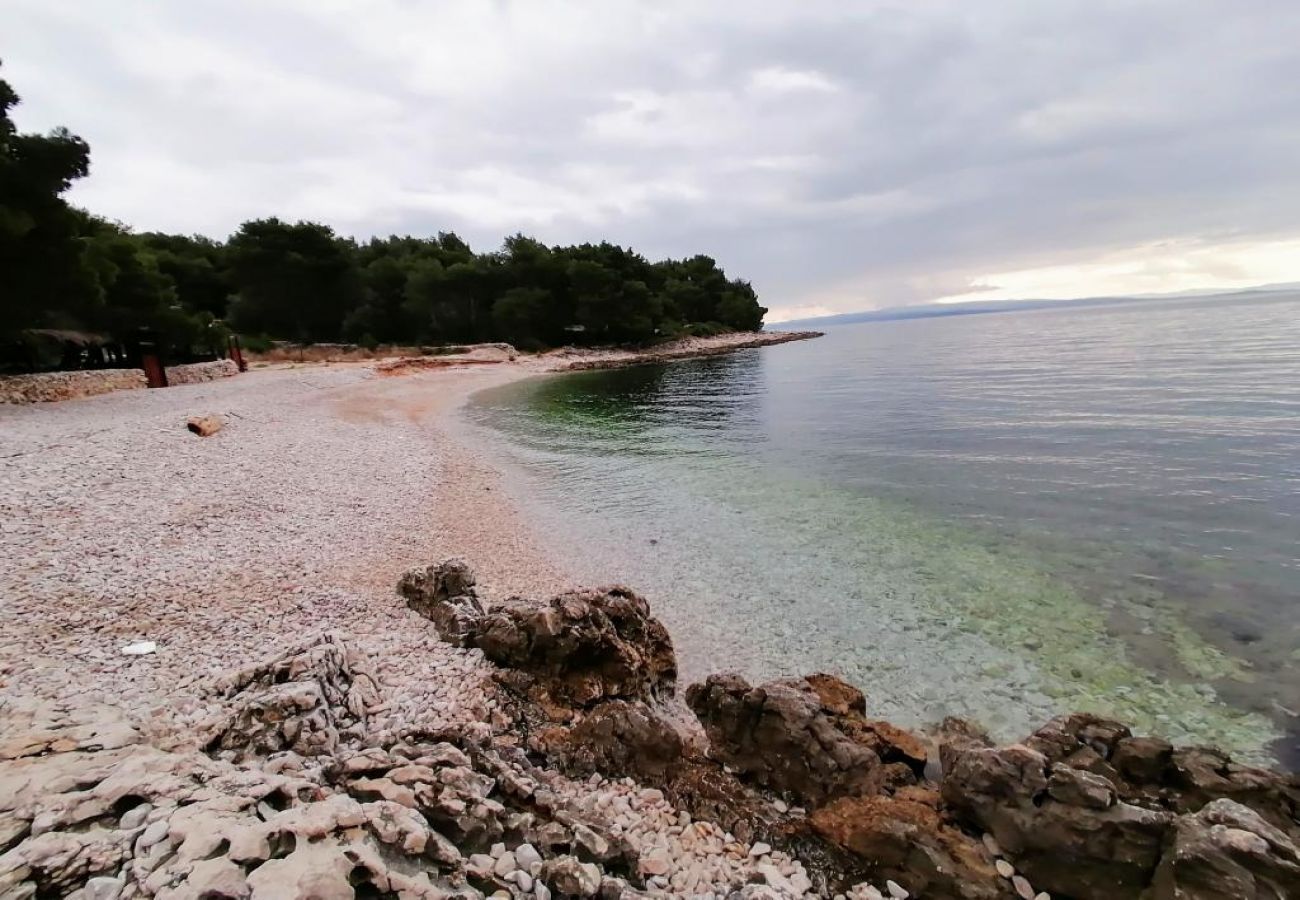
(46, 386)
(196, 373)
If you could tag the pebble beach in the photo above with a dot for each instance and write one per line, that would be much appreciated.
(119, 527)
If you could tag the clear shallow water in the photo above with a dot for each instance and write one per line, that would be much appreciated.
(1000, 516)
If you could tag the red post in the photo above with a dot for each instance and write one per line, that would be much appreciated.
(237, 353)
(154, 372)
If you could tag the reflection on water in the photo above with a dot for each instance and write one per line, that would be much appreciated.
(1001, 516)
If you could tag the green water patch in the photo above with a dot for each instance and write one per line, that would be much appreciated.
(1018, 602)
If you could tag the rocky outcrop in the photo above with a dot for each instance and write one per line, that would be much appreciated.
(1086, 809)
(583, 647)
(293, 789)
(444, 593)
(275, 810)
(570, 652)
(808, 737)
(1227, 850)
(302, 702)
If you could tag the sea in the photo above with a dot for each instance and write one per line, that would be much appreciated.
(1002, 517)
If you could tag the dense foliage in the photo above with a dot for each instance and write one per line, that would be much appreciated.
(63, 268)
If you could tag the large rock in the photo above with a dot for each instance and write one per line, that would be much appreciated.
(582, 647)
(299, 701)
(807, 737)
(619, 738)
(444, 593)
(571, 652)
(905, 839)
(1228, 850)
(1088, 810)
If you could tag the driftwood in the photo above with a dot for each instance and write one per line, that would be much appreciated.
(204, 426)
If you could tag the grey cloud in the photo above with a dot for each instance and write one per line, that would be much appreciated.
(902, 148)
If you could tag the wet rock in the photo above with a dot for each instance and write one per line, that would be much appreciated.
(444, 593)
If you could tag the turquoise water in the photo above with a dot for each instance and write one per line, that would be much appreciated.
(1000, 516)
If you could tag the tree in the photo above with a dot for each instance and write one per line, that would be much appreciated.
(295, 281)
(521, 315)
(197, 267)
(63, 267)
(46, 280)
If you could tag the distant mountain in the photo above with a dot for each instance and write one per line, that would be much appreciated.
(936, 310)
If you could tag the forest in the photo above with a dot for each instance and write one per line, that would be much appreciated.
(64, 268)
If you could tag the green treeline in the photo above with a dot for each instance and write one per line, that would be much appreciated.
(61, 267)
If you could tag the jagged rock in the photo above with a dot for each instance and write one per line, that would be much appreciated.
(1080, 851)
(299, 701)
(805, 736)
(571, 878)
(582, 647)
(1150, 772)
(905, 838)
(618, 738)
(444, 593)
(955, 735)
(1086, 809)
(1198, 775)
(1228, 850)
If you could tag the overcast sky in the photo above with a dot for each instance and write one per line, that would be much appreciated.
(842, 156)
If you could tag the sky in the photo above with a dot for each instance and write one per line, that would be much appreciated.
(841, 156)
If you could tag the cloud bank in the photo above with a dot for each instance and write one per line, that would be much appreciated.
(841, 156)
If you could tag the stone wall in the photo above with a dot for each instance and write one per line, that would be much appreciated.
(44, 387)
(196, 373)
(47, 386)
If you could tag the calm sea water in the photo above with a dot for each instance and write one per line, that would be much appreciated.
(999, 516)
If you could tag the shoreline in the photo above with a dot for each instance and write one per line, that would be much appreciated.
(281, 538)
